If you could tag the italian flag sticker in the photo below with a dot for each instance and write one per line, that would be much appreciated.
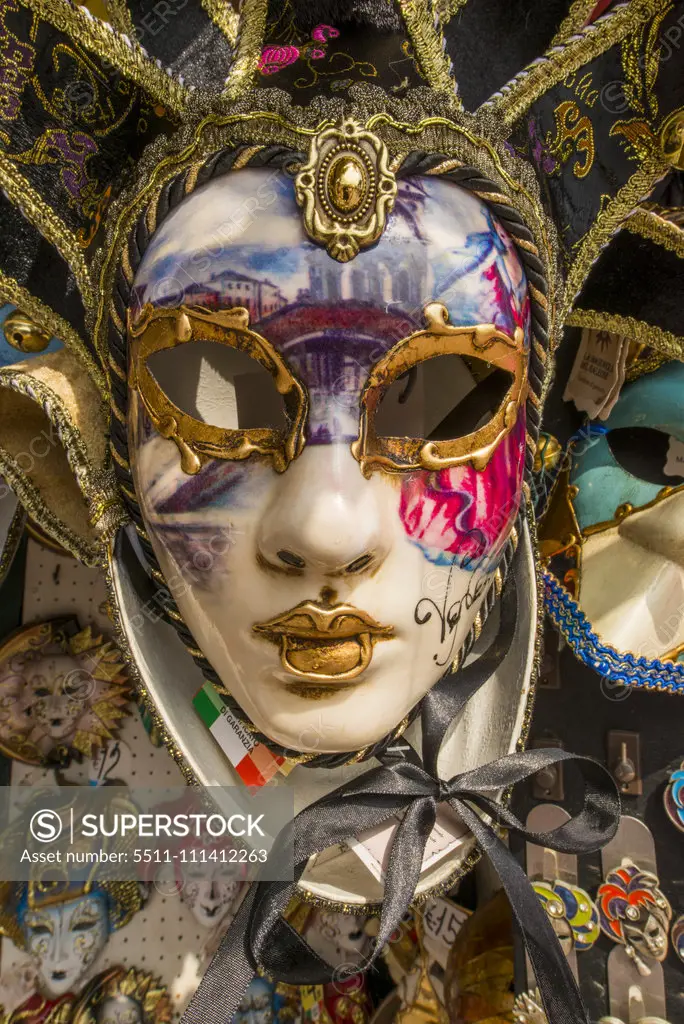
(254, 762)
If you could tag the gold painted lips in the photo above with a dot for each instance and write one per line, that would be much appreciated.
(328, 644)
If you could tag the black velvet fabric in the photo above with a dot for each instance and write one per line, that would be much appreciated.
(322, 49)
(183, 37)
(35, 264)
(635, 277)
(490, 41)
(309, 13)
(587, 135)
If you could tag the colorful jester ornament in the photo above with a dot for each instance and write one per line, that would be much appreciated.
(572, 911)
(635, 912)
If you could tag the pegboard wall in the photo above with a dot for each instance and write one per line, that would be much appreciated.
(163, 938)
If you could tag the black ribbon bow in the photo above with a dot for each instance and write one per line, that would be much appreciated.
(260, 937)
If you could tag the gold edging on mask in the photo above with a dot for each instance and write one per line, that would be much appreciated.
(485, 341)
(225, 17)
(611, 217)
(45, 220)
(539, 77)
(250, 39)
(346, 190)
(157, 330)
(12, 540)
(122, 53)
(669, 344)
(425, 33)
(656, 228)
(574, 21)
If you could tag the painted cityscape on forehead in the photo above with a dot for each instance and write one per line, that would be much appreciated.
(240, 242)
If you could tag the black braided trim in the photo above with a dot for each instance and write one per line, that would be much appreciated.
(281, 158)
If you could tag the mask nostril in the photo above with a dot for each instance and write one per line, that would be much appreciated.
(359, 564)
(289, 558)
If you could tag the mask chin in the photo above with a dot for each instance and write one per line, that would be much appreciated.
(490, 726)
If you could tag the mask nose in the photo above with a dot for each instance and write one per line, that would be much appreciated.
(325, 517)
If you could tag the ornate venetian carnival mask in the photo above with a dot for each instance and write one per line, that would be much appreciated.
(329, 456)
(309, 327)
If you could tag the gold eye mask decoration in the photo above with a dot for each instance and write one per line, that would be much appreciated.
(481, 342)
(156, 330)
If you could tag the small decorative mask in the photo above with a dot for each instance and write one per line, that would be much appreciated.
(613, 532)
(635, 912)
(63, 691)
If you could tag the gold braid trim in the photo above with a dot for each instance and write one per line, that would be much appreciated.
(14, 535)
(427, 45)
(574, 21)
(248, 48)
(541, 76)
(446, 9)
(97, 487)
(111, 46)
(647, 334)
(612, 217)
(120, 17)
(54, 325)
(38, 213)
(663, 232)
(225, 17)
(32, 501)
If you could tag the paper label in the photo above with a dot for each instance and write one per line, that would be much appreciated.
(254, 762)
(442, 921)
(598, 372)
(674, 465)
(373, 847)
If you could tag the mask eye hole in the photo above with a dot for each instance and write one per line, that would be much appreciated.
(442, 398)
(642, 452)
(219, 385)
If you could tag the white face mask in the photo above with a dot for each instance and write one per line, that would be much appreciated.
(210, 895)
(64, 940)
(328, 601)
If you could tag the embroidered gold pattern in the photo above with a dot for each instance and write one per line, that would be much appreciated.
(608, 221)
(574, 133)
(427, 45)
(224, 16)
(515, 98)
(249, 43)
(126, 56)
(51, 227)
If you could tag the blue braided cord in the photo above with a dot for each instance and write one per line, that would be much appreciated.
(619, 667)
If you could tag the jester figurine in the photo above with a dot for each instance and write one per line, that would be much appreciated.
(309, 268)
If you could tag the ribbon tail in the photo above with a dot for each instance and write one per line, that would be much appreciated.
(225, 981)
(558, 988)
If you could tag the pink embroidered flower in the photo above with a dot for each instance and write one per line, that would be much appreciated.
(275, 58)
(316, 54)
(324, 32)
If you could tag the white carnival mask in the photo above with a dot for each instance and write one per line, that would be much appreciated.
(329, 473)
(64, 940)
